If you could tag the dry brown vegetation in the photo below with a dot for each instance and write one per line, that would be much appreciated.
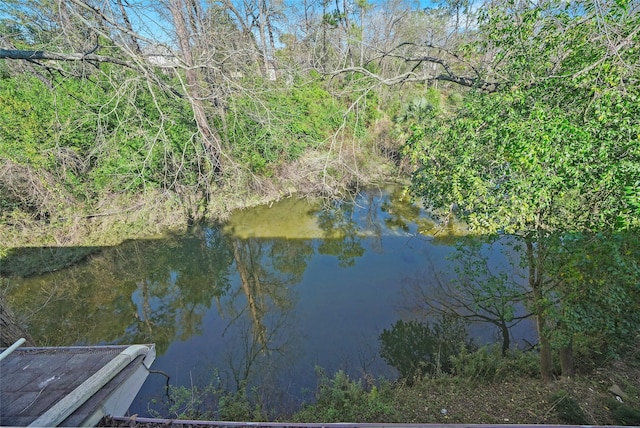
(522, 400)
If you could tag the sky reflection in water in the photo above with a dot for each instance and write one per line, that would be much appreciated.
(263, 299)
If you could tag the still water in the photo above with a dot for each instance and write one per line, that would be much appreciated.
(262, 300)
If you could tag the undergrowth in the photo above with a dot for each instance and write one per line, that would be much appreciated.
(483, 394)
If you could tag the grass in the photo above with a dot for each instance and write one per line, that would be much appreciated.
(455, 399)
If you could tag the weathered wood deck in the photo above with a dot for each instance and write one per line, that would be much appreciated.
(71, 386)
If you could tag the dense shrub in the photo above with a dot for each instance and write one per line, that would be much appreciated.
(89, 140)
(487, 364)
(341, 399)
(568, 409)
(417, 348)
(268, 128)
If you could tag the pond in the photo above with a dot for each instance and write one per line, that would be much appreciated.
(263, 300)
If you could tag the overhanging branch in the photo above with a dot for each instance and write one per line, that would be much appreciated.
(27, 55)
(35, 56)
(469, 82)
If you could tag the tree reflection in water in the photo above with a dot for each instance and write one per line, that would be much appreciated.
(266, 285)
(226, 299)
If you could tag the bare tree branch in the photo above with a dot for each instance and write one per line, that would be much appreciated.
(28, 55)
(469, 82)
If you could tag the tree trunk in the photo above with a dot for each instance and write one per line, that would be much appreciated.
(546, 361)
(210, 140)
(272, 46)
(125, 17)
(506, 339)
(347, 33)
(262, 21)
(361, 62)
(534, 259)
(324, 34)
(566, 361)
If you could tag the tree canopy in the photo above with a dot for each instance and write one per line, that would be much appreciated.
(552, 151)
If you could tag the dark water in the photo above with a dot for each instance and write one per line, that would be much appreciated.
(262, 300)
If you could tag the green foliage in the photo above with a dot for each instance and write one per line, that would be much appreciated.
(416, 111)
(433, 98)
(279, 125)
(415, 348)
(342, 399)
(624, 414)
(209, 402)
(362, 101)
(424, 106)
(542, 153)
(632, 196)
(455, 99)
(487, 364)
(239, 406)
(188, 403)
(599, 293)
(146, 142)
(568, 409)
(511, 163)
(93, 138)
(551, 155)
(26, 117)
(411, 120)
(332, 19)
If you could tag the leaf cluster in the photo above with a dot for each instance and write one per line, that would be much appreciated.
(515, 162)
(266, 129)
(417, 348)
(341, 398)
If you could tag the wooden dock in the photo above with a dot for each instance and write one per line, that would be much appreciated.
(70, 386)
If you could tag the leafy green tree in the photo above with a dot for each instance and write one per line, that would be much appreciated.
(483, 289)
(551, 150)
(599, 290)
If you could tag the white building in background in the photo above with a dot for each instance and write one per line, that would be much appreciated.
(159, 55)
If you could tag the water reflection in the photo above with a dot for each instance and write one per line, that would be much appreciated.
(484, 285)
(138, 292)
(260, 301)
(265, 296)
